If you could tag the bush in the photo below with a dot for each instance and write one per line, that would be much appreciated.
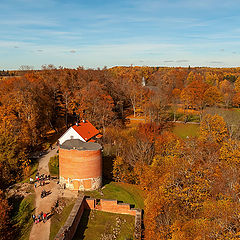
(46, 146)
(178, 116)
(193, 118)
(188, 118)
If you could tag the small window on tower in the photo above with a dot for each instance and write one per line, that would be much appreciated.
(71, 137)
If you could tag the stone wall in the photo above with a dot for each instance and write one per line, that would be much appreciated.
(78, 184)
(113, 206)
(68, 230)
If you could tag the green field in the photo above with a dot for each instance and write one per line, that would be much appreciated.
(128, 193)
(58, 220)
(98, 225)
(186, 130)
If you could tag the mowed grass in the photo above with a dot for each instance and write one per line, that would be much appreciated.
(53, 166)
(128, 193)
(58, 220)
(186, 130)
(97, 224)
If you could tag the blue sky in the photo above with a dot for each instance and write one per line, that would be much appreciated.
(98, 33)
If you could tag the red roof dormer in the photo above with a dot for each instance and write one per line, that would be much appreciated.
(86, 130)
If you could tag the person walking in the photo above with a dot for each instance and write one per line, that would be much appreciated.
(44, 217)
(33, 217)
(39, 217)
(35, 185)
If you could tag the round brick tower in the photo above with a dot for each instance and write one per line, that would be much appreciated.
(80, 165)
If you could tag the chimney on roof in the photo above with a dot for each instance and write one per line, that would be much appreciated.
(76, 123)
(83, 121)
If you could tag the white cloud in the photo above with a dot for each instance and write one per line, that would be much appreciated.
(28, 22)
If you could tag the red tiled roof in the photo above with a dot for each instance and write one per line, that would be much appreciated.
(86, 130)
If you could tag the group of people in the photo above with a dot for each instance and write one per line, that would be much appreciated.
(43, 193)
(41, 179)
(40, 217)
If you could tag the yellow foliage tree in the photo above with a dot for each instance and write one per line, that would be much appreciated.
(211, 78)
(237, 85)
(213, 128)
(212, 96)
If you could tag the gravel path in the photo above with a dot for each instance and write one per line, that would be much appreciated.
(41, 230)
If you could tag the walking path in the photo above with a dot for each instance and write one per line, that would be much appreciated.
(42, 230)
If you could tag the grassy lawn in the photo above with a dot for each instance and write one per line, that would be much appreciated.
(58, 220)
(128, 193)
(54, 166)
(22, 216)
(97, 225)
(183, 130)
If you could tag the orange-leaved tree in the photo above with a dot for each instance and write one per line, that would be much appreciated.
(212, 96)
(213, 128)
(5, 230)
(193, 94)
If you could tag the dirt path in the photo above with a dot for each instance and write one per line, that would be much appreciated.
(41, 230)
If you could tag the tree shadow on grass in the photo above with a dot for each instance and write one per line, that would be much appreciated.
(21, 214)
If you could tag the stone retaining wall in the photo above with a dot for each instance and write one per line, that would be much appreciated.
(68, 230)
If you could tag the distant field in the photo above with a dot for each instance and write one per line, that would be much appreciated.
(128, 193)
(235, 112)
(97, 225)
(183, 130)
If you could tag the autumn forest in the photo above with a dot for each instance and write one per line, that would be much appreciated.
(191, 185)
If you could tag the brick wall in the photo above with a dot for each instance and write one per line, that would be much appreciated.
(112, 206)
(80, 164)
(80, 170)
